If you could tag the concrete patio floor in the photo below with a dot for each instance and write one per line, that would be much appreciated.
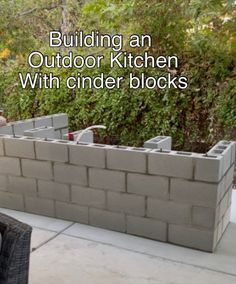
(69, 253)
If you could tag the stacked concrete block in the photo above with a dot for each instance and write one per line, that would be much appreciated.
(170, 163)
(40, 206)
(41, 132)
(20, 126)
(169, 211)
(12, 201)
(10, 165)
(70, 174)
(107, 219)
(53, 190)
(1, 146)
(58, 121)
(21, 185)
(43, 121)
(72, 212)
(126, 203)
(88, 196)
(18, 147)
(226, 149)
(7, 129)
(52, 150)
(147, 227)
(92, 156)
(208, 168)
(159, 142)
(107, 179)
(127, 159)
(148, 185)
(3, 182)
(177, 197)
(63, 132)
(36, 169)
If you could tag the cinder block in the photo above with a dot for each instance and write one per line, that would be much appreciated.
(127, 159)
(86, 138)
(191, 237)
(37, 169)
(221, 190)
(92, 156)
(42, 121)
(20, 126)
(227, 157)
(70, 174)
(208, 168)
(195, 193)
(72, 212)
(57, 134)
(150, 145)
(41, 132)
(148, 185)
(218, 233)
(40, 206)
(3, 182)
(63, 132)
(233, 152)
(225, 148)
(159, 142)
(146, 227)
(11, 201)
(204, 217)
(60, 120)
(10, 166)
(170, 164)
(52, 151)
(17, 147)
(225, 151)
(20, 185)
(7, 130)
(168, 211)
(88, 197)
(229, 177)
(106, 179)
(230, 196)
(107, 220)
(1, 147)
(126, 203)
(53, 190)
(217, 215)
(226, 220)
(224, 204)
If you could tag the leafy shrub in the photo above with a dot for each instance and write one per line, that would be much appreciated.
(196, 117)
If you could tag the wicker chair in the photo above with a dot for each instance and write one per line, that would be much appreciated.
(14, 251)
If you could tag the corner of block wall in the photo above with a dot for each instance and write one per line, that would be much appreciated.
(208, 168)
(226, 149)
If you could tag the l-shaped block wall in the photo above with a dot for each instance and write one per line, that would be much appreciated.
(176, 197)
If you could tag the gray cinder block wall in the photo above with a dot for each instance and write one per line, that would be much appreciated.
(42, 132)
(57, 121)
(176, 197)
